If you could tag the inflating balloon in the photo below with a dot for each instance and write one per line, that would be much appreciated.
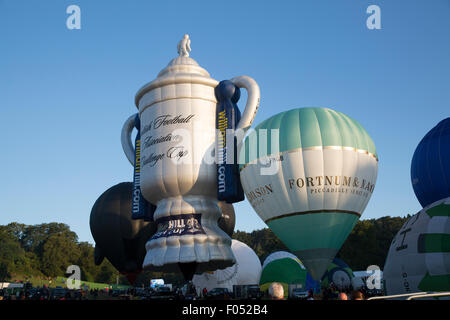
(279, 269)
(178, 114)
(419, 256)
(280, 255)
(285, 271)
(246, 271)
(309, 174)
(117, 236)
(228, 219)
(430, 168)
(338, 273)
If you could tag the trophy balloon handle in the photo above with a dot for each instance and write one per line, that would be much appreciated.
(253, 100)
(127, 145)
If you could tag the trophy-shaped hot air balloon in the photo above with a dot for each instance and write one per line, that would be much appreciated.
(309, 174)
(177, 168)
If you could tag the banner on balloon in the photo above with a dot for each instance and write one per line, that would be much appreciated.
(179, 225)
(229, 188)
(141, 209)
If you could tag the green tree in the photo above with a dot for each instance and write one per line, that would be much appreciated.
(58, 252)
(4, 273)
(107, 273)
(369, 242)
(86, 263)
(262, 241)
(12, 257)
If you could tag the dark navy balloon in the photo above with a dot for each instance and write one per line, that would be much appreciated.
(430, 167)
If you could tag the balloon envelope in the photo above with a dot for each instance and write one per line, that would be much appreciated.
(117, 236)
(338, 273)
(309, 174)
(430, 168)
(286, 272)
(280, 255)
(419, 256)
(245, 271)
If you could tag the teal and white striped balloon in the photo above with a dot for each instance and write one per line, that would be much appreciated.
(324, 168)
(419, 256)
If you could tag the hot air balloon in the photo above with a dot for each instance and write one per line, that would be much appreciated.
(430, 171)
(419, 257)
(286, 272)
(284, 269)
(246, 271)
(280, 255)
(338, 273)
(309, 174)
(117, 236)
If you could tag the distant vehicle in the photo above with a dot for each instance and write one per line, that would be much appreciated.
(163, 289)
(34, 293)
(188, 292)
(298, 294)
(248, 291)
(190, 296)
(254, 292)
(163, 292)
(141, 292)
(219, 294)
(115, 293)
(58, 293)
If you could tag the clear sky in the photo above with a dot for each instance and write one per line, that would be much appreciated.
(64, 94)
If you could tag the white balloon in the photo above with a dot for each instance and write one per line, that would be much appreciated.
(246, 271)
(418, 260)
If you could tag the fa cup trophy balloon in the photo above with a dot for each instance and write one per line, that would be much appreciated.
(178, 170)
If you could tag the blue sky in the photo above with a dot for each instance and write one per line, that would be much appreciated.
(64, 94)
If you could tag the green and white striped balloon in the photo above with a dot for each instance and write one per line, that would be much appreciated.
(419, 256)
(324, 168)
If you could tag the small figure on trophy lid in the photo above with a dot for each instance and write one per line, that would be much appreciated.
(184, 46)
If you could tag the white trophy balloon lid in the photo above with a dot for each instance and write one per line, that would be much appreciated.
(176, 174)
(182, 71)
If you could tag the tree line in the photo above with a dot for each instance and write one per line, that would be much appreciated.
(368, 243)
(46, 250)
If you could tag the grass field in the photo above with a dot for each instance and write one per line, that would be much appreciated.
(61, 281)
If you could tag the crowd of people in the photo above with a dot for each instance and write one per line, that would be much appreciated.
(45, 293)
(276, 292)
(348, 293)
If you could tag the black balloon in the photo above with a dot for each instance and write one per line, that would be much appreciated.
(117, 236)
(228, 219)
